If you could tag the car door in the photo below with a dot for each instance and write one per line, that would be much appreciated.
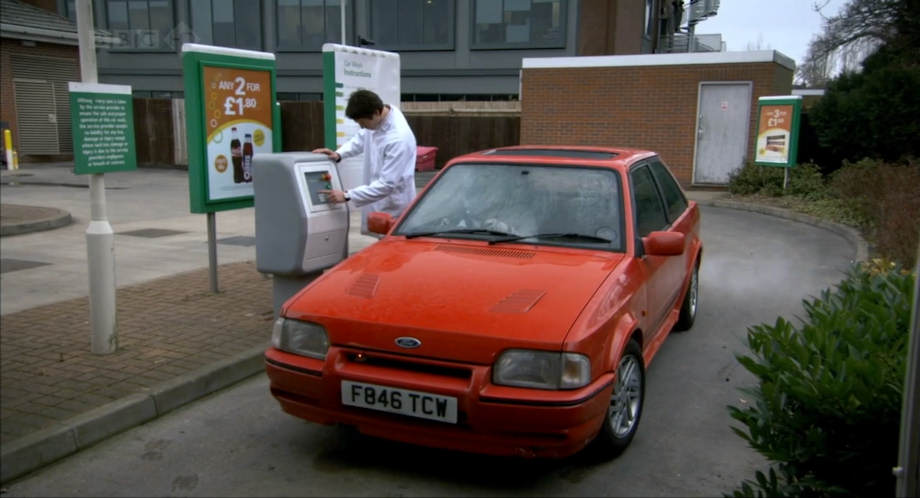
(663, 273)
(680, 219)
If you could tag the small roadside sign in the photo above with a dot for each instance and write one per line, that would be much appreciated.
(102, 124)
(778, 120)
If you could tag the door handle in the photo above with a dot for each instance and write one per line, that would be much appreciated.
(699, 129)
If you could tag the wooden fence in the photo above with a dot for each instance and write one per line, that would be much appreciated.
(153, 131)
(302, 129)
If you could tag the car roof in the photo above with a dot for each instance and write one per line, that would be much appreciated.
(611, 157)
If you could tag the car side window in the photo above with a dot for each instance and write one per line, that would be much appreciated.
(674, 198)
(650, 214)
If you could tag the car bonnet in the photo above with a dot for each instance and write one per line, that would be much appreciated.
(462, 301)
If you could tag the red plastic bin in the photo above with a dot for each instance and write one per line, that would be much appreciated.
(424, 158)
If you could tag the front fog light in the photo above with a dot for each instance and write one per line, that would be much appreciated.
(302, 338)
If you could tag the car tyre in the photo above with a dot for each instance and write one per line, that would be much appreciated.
(625, 409)
(691, 302)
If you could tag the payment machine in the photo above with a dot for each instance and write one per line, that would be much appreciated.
(299, 232)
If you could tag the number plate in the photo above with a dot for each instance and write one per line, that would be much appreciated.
(402, 401)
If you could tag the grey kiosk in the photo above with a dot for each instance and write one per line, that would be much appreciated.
(299, 233)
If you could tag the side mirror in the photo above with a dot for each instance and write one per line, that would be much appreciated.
(664, 243)
(378, 222)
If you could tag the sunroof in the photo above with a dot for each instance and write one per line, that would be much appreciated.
(572, 154)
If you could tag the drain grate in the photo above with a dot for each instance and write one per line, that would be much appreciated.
(238, 241)
(151, 233)
(9, 264)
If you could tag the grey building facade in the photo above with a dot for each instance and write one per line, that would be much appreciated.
(449, 49)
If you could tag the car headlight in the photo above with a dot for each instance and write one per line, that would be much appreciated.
(542, 369)
(303, 338)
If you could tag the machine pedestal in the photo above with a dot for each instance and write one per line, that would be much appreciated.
(283, 287)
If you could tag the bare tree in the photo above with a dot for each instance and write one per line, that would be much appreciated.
(851, 35)
(760, 44)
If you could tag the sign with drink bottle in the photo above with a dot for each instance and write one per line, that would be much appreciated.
(231, 114)
(777, 130)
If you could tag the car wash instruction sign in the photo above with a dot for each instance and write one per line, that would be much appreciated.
(231, 116)
(346, 69)
(102, 124)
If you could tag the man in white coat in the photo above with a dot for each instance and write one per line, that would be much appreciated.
(389, 151)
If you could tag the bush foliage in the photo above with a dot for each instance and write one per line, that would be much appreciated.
(874, 113)
(805, 180)
(826, 408)
(881, 199)
(887, 198)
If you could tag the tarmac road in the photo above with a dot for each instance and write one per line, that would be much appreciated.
(237, 442)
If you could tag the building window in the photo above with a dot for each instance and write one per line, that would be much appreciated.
(141, 24)
(307, 24)
(227, 23)
(412, 24)
(518, 24)
(70, 9)
(649, 19)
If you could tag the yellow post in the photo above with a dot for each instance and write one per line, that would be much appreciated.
(11, 162)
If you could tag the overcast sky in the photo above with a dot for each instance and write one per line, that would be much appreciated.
(783, 25)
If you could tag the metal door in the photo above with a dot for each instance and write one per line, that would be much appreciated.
(722, 129)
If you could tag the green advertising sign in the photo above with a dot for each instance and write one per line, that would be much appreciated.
(230, 116)
(778, 131)
(102, 124)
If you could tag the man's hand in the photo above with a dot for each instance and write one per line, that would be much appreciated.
(334, 196)
(335, 156)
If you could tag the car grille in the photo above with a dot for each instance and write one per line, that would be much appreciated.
(395, 363)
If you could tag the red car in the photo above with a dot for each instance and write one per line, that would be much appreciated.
(512, 309)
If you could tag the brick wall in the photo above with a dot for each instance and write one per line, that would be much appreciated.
(647, 107)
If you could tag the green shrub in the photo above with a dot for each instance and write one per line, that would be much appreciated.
(874, 113)
(752, 179)
(805, 180)
(826, 407)
(881, 199)
(885, 198)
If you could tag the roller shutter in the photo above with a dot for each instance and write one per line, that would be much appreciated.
(43, 103)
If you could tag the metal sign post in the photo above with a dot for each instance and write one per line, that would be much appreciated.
(103, 135)
(908, 470)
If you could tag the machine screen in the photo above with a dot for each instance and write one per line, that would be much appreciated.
(316, 181)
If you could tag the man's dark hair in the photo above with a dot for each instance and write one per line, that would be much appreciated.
(362, 104)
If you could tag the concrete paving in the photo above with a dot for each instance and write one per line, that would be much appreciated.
(178, 341)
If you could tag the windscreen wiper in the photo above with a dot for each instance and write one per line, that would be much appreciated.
(578, 236)
(466, 231)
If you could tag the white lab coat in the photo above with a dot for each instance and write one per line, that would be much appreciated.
(389, 166)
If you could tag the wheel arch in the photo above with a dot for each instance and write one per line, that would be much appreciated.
(627, 330)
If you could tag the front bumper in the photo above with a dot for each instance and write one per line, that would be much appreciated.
(492, 419)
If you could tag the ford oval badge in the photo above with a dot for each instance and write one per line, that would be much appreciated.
(408, 342)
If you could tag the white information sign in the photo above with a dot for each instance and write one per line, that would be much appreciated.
(346, 69)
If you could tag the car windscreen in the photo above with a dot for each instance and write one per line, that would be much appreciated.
(534, 204)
